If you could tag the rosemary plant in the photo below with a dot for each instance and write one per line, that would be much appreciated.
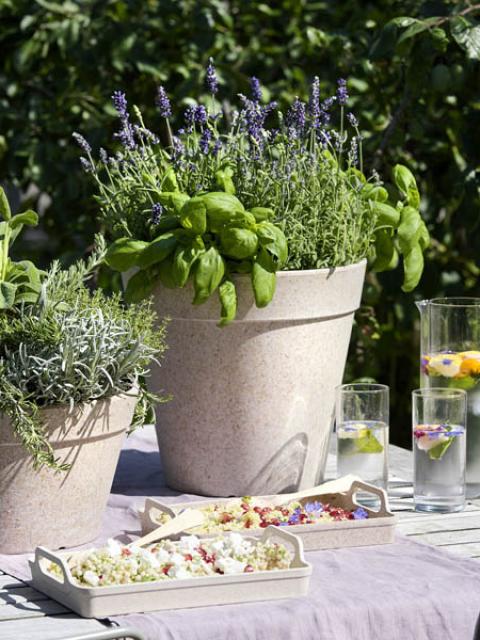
(73, 346)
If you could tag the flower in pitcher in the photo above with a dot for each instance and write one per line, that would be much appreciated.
(445, 364)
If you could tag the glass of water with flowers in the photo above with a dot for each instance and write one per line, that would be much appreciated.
(439, 449)
(362, 416)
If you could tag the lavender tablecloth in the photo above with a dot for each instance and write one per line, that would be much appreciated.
(403, 591)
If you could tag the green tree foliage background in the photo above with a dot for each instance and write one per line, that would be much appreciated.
(413, 71)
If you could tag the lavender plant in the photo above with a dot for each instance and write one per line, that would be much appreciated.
(70, 347)
(250, 191)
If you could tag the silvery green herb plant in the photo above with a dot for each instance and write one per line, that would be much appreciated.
(19, 281)
(251, 191)
(73, 346)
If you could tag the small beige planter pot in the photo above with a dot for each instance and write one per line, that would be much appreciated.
(252, 402)
(62, 509)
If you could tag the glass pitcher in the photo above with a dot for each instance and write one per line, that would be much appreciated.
(450, 357)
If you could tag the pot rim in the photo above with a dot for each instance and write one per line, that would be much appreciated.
(299, 272)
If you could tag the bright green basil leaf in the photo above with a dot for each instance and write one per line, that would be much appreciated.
(386, 253)
(263, 279)
(5, 210)
(139, 287)
(30, 218)
(406, 183)
(262, 214)
(7, 295)
(25, 273)
(123, 253)
(193, 215)
(409, 228)
(167, 223)
(228, 301)
(387, 216)
(423, 236)
(157, 250)
(375, 193)
(238, 243)
(164, 271)
(244, 266)
(224, 209)
(173, 200)
(413, 268)
(223, 178)
(169, 181)
(209, 272)
(183, 260)
(273, 240)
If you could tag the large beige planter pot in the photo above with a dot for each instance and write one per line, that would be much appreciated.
(62, 509)
(253, 402)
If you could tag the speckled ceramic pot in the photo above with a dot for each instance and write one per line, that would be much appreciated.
(62, 509)
(253, 402)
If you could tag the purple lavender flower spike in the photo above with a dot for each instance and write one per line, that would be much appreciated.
(314, 103)
(211, 80)
(86, 165)
(342, 93)
(163, 103)
(328, 103)
(103, 155)
(82, 143)
(157, 211)
(189, 117)
(120, 103)
(216, 147)
(352, 119)
(295, 118)
(204, 142)
(201, 115)
(126, 133)
(255, 89)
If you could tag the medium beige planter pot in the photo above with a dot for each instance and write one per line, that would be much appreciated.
(62, 509)
(253, 402)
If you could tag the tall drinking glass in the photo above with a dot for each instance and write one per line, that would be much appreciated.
(450, 357)
(362, 414)
(439, 449)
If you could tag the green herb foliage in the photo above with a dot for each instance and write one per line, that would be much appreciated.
(19, 281)
(244, 197)
(73, 346)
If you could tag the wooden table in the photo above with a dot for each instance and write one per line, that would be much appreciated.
(28, 614)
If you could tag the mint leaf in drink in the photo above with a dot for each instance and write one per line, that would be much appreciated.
(368, 443)
(437, 453)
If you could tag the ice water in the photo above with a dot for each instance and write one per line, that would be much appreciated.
(439, 467)
(362, 449)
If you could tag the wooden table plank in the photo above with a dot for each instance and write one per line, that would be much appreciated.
(7, 582)
(48, 628)
(23, 594)
(31, 610)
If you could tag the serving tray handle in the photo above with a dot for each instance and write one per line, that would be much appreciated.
(358, 485)
(146, 516)
(38, 571)
(272, 532)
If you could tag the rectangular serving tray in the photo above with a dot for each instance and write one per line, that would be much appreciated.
(378, 528)
(101, 602)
